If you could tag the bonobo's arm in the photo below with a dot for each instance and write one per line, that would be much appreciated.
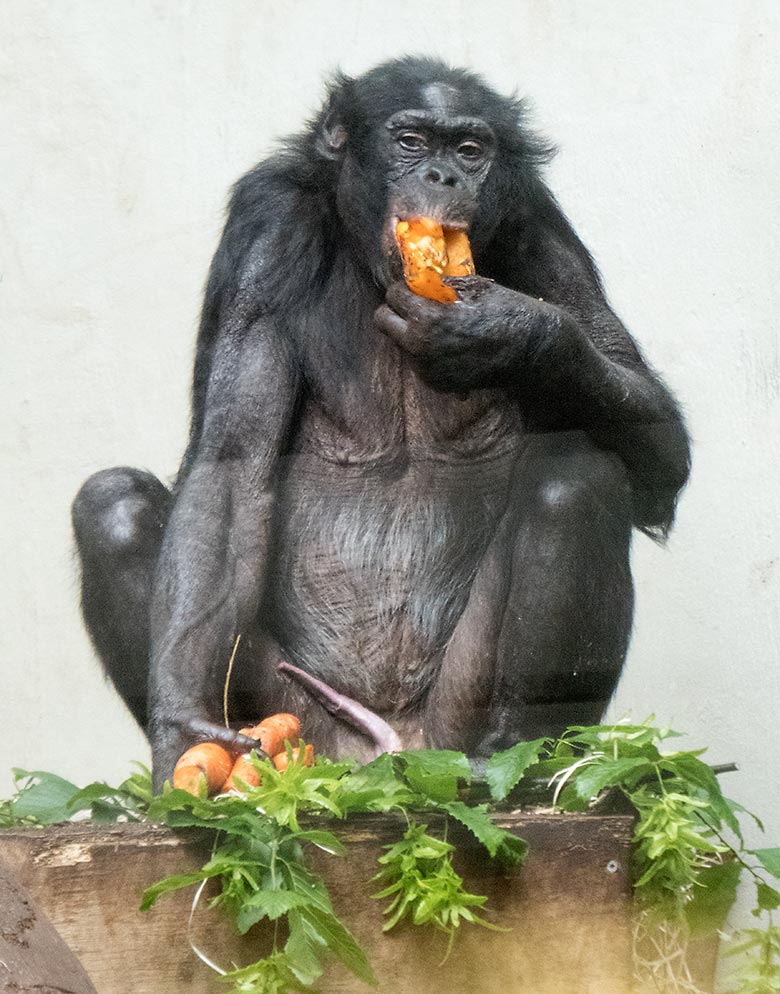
(566, 358)
(211, 569)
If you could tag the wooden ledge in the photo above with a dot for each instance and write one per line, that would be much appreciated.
(568, 908)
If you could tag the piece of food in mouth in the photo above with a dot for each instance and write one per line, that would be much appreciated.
(429, 251)
(204, 761)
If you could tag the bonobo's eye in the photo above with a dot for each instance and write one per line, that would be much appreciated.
(411, 141)
(471, 149)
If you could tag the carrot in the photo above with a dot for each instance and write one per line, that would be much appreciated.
(271, 735)
(281, 760)
(208, 761)
(241, 768)
(274, 731)
(428, 252)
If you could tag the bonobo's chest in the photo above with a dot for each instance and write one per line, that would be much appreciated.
(379, 406)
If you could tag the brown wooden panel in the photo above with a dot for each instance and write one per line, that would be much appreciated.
(568, 909)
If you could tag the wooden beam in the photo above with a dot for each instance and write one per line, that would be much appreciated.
(568, 909)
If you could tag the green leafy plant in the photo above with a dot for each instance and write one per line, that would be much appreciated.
(259, 867)
(424, 886)
(689, 849)
(46, 799)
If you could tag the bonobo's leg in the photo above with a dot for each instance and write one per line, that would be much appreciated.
(543, 638)
(118, 518)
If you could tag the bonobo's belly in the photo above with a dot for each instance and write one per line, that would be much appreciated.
(373, 567)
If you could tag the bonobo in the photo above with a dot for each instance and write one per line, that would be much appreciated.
(426, 507)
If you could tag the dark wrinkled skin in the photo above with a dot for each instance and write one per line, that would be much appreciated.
(426, 508)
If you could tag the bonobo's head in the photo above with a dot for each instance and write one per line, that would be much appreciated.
(414, 137)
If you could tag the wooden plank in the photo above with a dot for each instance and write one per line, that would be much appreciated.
(568, 909)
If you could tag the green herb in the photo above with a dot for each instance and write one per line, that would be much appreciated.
(424, 886)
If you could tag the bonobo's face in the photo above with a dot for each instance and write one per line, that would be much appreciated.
(437, 160)
(429, 160)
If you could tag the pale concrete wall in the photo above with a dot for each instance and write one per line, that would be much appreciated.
(125, 123)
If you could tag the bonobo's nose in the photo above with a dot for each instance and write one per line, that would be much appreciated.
(439, 176)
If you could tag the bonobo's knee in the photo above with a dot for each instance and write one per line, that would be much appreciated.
(120, 511)
(575, 477)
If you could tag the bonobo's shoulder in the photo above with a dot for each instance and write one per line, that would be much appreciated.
(259, 202)
(274, 227)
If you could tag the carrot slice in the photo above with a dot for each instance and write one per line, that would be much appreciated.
(428, 252)
(274, 731)
(243, 768)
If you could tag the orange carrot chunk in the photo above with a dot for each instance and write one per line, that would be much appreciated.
(281, 761)
(208, 761)
(428, 252)
(241, 768)
(274, 731)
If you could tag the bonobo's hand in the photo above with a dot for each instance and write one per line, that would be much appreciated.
(481, 340)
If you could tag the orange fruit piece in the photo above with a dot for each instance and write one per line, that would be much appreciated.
(241, 768)
(274, 731)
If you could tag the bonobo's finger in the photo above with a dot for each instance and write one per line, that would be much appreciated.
(412, 305)
(209, 731)
(404, 333)
(389, 322)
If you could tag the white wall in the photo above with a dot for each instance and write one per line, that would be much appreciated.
(125, 123)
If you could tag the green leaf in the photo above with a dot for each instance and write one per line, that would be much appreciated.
(768, 899)
(692, 770)
(322, 839)
(377, 786)
(46, 799)
(505, 769)
(301, 951)
(151, 894)
(435, 773)
(272, 975)
(590, 780)
(712, 898)
(300, 878)
(339, 941)
(769, 859)
(497, 841)
(271, 904)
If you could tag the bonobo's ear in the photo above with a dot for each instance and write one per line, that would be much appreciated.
(331, 137)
